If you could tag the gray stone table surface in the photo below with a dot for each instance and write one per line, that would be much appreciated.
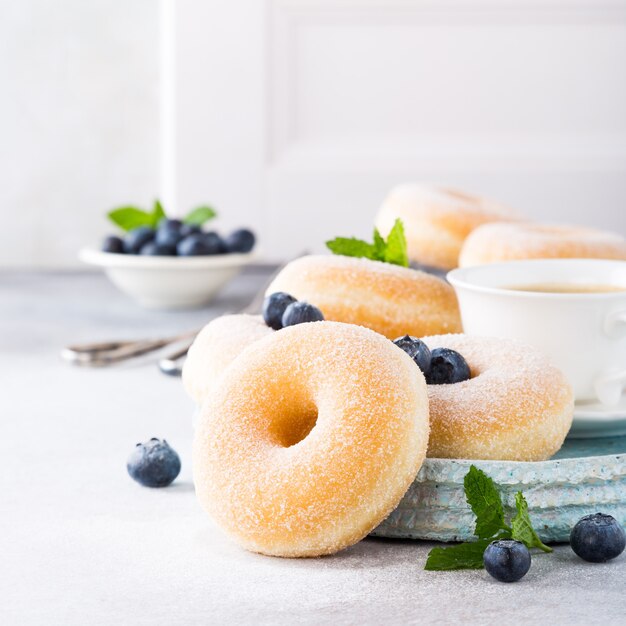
(80, 543)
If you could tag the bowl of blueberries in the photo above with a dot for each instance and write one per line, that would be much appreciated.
(167, 263)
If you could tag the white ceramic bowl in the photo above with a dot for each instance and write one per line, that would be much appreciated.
(168, 282)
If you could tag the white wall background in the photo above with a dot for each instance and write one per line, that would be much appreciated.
(296, 116)
(79, 121)
(309, 110)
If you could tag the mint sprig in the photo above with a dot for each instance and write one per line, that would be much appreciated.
(129, 217)
(199, 215)
(460, 556)
(484, 499)
(393, 250)
(157, 213)
(522, 528)
(396, 250)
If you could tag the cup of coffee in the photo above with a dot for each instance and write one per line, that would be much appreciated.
(574, 310)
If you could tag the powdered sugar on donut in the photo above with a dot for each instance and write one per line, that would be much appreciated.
(311, 438)
(215, 347)
(437, 220)
(500, 242)
(389, 299)
(517, 405)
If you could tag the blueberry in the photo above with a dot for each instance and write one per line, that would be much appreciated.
(241, 240)
(167, 237)
(170, 224)
(137, 238)
(193, 245)
(301, 312)
(153, 463)
(416, 349)
(189, 229)
(273, 308)
(214, 243)
(598, 538)
(153, 248)
(507, 560)
(168, 233)
(113, 244)
(447, 366)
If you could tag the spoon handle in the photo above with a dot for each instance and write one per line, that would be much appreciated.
(107, 353)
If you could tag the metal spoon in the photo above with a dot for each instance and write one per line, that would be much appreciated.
(108, 353)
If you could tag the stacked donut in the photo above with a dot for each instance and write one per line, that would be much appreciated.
(437, 220)
(309, 434)
(446, 228)
(509, 242)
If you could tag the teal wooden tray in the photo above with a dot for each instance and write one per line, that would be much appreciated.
(585, 476)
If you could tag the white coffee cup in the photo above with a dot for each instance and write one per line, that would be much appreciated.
(584, 334)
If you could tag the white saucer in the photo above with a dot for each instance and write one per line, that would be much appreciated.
(597, 420)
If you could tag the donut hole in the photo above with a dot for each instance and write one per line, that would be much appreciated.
(293, 425)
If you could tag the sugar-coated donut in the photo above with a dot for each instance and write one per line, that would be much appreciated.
(505, 242)
(311, 439)
(215, 347)
(389, 299)
(437, 220)
(516, 407)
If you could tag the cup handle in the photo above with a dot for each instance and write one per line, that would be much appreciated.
(615, 324)
(609, 387)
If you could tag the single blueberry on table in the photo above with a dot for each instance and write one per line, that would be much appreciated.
(241, 240)
(137, 238)
(598, 538)
(446, 367)
(193, 245)
(214, 243)
(113, 244)
(154, 248)
(274, 307)
(507, 560)
(417, 350)
(153, 463)
(300, 313)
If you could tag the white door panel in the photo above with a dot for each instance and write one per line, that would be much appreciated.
(297, 116)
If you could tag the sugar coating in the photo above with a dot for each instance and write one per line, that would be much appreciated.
(215, 347)
(517, 406)
(311, 438)
(389, 299)
(501, 242)
(437, 220)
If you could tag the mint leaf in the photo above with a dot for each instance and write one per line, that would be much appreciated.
(522, 528)
(483, 497)
(129, 217)
(380, 247)
(157, 213)
(199, 215)
(461, 556)
(391, 251)
(396, 251)
(349, 246)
